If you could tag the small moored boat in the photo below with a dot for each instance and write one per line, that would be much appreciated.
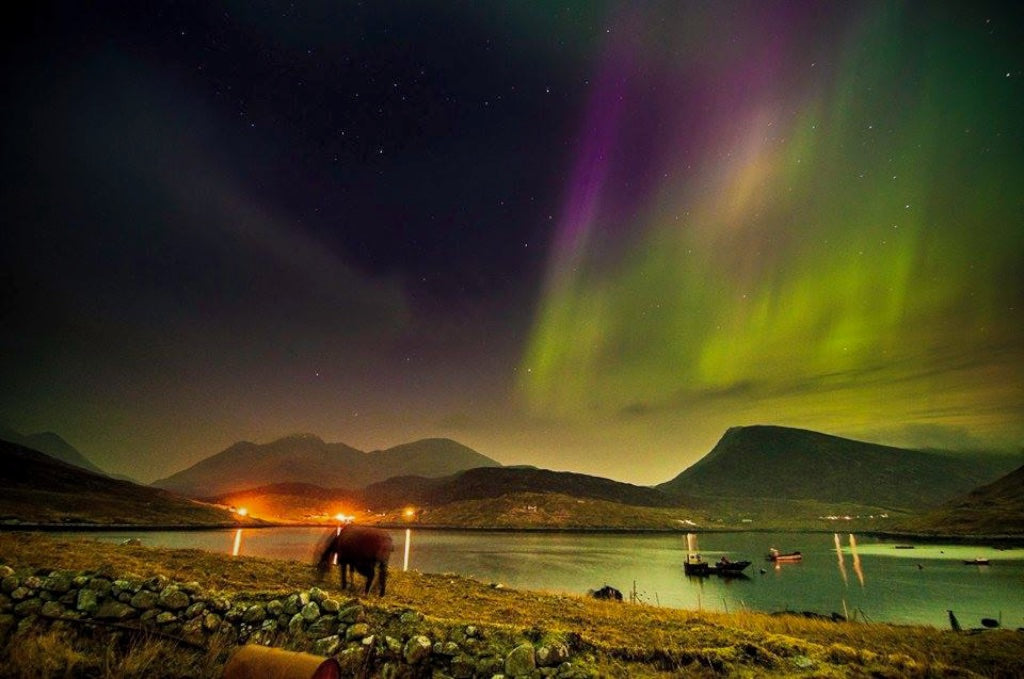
(696, 565)
(726, 567)
(789, 557)
(979, 561)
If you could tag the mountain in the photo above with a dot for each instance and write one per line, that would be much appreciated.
(36, 488)
(993, 509)
(485, 497)
(53, 445)
(492, 482)
(305, 458)
(795, 464)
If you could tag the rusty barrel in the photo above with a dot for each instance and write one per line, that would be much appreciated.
(252, 661)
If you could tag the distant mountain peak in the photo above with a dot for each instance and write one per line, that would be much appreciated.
(53, 445)
(776, 462)
(306, 458)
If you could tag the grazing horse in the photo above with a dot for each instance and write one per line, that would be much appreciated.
(360, 548)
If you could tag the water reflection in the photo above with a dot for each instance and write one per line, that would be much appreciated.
(839, 556)
(238, 543)
(856, 560)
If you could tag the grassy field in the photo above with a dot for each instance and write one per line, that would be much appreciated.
(616, 639)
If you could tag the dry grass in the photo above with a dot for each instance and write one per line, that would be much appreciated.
(619, 639)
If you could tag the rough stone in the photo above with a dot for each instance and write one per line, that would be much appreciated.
(254, 614)
(29, 606)
(157, 583)
(552, 655)
(521, 661)
(310, 611)
(88, 601)
(165, 618)
(330, 606)
(462, 667)
(297, 624)
(351, 661)
(144, 600)
(173, 599)
(235, 612)
(20, 593)
(292, 605)
(275, 608)
(417, 649)
(10, 583)
(196, 609)
(119, 587)
(57, 582)
(357, 631)
(393, 646)
(316, 594)
(323, 626)
(448, 648)
(114, 610)
(327, 645)
(101, 586)
(52, 609)
(352, 613)
(192, 630)
(6, 571)
(191, 587)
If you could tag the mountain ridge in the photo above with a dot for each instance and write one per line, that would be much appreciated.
(769, 461)
(306, 458)
(38, 489)
(996, 508)
(53, 445)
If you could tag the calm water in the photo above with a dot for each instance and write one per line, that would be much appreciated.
(874, 580)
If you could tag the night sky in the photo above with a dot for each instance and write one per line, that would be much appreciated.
(587, 236)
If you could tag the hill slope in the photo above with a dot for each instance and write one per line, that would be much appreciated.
(795, 464)
(305, 458)
(483, 495)
(994, 509)
(484, 483)
(35, 488)
(53, 445)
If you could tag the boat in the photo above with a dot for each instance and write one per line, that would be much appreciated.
(903, 547)
(979, 561)
(789, 557)
(725, 567)
(696, 565)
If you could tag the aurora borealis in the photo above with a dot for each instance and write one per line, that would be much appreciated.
(588, 237)
(826, 235)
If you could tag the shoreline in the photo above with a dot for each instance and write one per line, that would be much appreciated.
(1012, 541)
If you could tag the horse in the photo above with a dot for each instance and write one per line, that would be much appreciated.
(360, 548)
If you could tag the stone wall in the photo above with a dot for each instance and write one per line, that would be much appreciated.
(367, 640)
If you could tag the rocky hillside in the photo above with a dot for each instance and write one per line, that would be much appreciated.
(305, 458)
(795, 464)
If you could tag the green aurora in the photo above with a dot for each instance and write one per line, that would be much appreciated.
(840, 248)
